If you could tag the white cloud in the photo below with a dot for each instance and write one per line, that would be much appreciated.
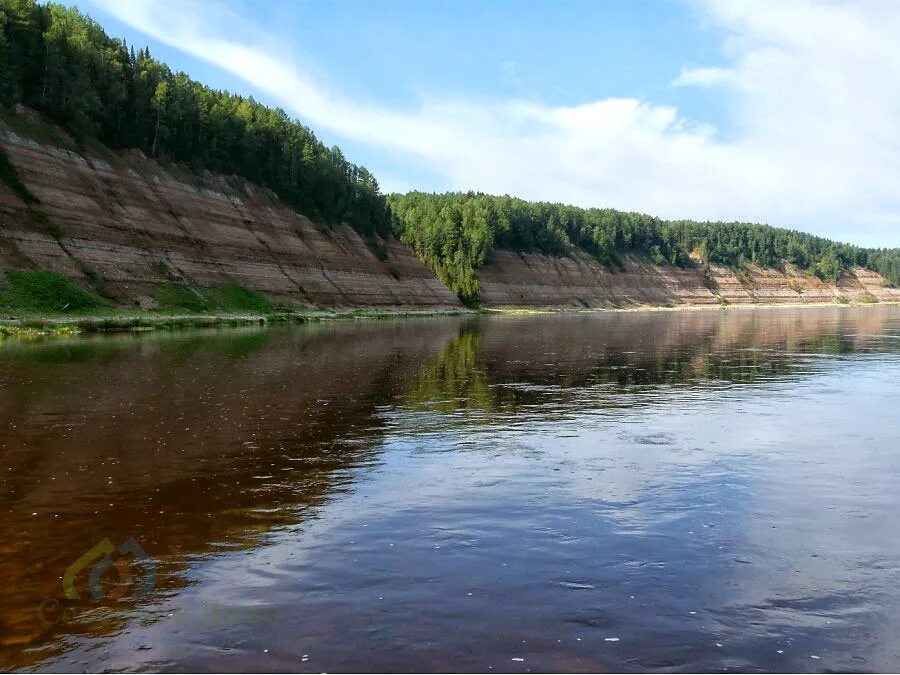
(703, 77)
(813, 86)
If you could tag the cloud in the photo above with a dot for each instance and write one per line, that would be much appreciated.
(702, 77)
(813, 87)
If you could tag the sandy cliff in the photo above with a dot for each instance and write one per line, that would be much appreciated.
(126, 225)
(532, 280)
(123, 221)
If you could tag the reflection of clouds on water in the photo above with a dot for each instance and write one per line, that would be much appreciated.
(447, 490)
(823, 527)
(789, 476)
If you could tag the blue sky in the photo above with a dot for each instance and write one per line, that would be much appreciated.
(783, 112)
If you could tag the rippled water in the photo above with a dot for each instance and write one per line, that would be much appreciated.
(665, 491)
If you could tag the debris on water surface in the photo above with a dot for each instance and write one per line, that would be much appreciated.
(576, 586)
(517, 658)
(611, 639)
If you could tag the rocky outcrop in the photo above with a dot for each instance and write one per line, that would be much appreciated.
(127, 225)
(538, 281)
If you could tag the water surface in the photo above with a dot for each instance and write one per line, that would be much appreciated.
(665, 491)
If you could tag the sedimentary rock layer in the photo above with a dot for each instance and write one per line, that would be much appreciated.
(128, 223)
(538, 281)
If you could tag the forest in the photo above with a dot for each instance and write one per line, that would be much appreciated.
(454, 233)
(61, 63)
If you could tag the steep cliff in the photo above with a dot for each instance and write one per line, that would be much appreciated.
(539, 281)
(127, 227)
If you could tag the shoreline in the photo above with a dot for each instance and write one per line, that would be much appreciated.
(512, 311)
(47, 326)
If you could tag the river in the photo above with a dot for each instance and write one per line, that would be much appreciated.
(679, 491)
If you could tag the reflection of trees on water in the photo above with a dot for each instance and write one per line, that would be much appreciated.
(232, 434)
(191, 443)
(497, 367)
(455, 380)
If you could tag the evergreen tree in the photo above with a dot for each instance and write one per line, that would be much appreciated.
(61, 63)
(455, 233)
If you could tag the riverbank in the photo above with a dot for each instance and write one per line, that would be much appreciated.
(516, 311)
(62, 325)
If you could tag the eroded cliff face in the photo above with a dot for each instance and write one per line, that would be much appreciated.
(538, 281)
(125, 226)
(123, 222)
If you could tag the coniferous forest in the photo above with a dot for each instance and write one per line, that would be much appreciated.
(454, 234)
(59, 62)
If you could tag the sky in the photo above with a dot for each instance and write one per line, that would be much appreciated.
(784, 112)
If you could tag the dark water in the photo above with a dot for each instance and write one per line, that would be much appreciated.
(673, 491)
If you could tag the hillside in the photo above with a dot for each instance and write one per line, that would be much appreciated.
(133, 232)
(459, 235)
(57, 61)
(126, 185)
(136, 233)
(539, 281)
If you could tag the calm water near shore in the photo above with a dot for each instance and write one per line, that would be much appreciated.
(664, 491)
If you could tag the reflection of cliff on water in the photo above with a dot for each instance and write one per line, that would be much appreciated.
(191, 443)
(509, 364)
(200, 443)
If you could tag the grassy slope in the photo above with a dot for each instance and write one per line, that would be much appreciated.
(39, 303)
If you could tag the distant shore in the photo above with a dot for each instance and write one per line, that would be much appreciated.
(61, 325)
(512, 311)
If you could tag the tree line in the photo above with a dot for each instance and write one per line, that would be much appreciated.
(61, 63)
(454, 233)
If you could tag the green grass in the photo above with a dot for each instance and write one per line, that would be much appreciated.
(236, 298)
(7, 331)
(173, 296)
(40, 303)
(50, 292)
(229, 297)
